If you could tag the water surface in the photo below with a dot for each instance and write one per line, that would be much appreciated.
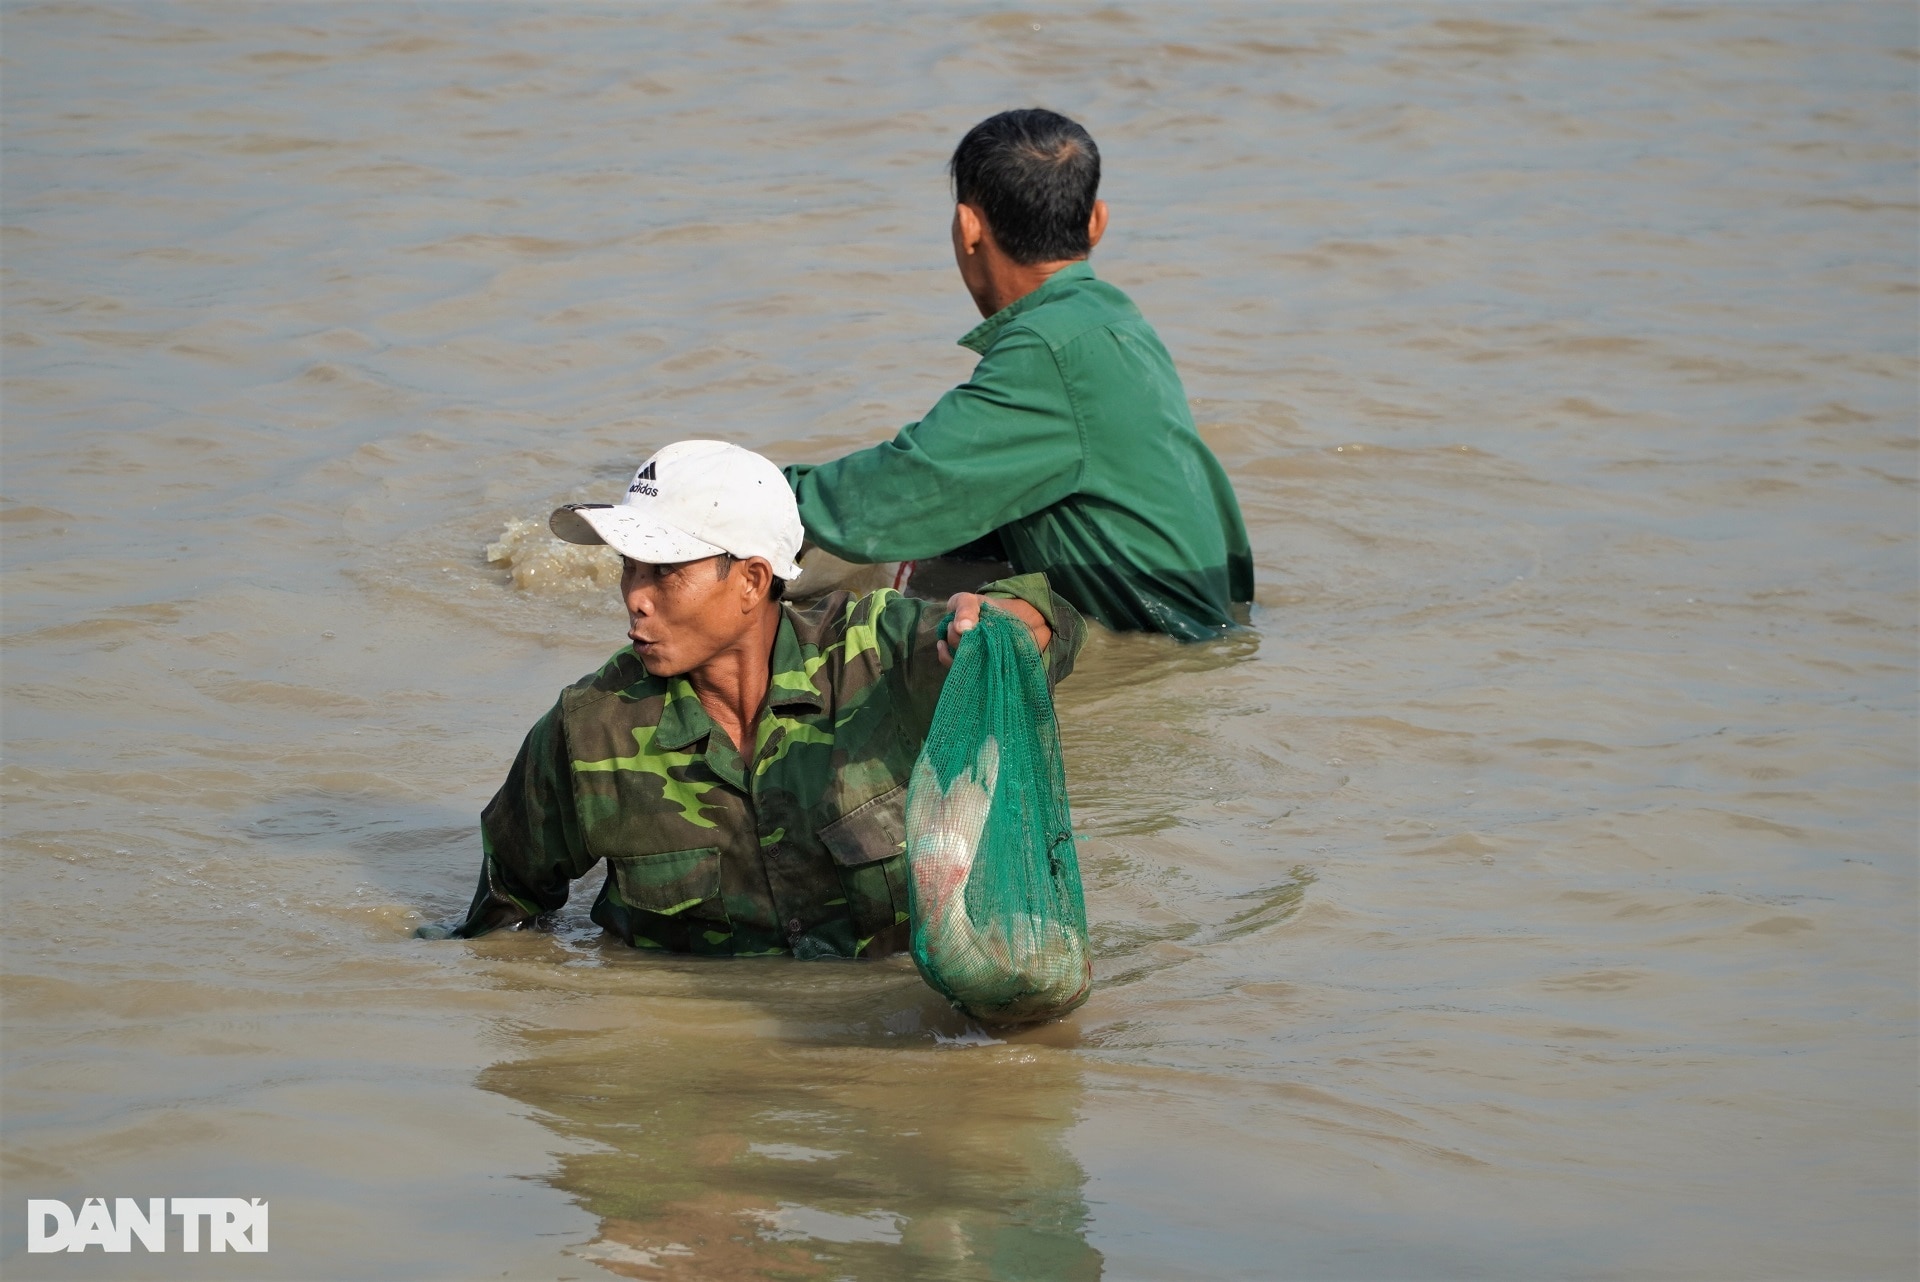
(1530, 893)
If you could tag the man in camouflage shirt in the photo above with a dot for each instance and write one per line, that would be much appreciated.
(741, 766)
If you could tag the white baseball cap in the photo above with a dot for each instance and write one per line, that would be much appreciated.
(694, 499)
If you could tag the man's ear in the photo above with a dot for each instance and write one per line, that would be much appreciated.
(973, 228)
(756, 581)
(1097, 224)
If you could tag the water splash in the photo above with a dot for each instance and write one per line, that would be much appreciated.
(543, 564)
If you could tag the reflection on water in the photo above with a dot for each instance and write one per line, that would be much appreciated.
(742, 1120)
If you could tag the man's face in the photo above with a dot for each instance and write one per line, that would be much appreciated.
(680, 616)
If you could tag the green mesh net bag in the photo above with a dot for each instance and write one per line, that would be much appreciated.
(999, 925)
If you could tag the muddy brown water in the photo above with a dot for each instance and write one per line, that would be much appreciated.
(1530, 893)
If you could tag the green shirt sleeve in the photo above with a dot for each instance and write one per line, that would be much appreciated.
(999, 447)
(530, 835)
(914, 626)
(909, 631)
(1069, 629)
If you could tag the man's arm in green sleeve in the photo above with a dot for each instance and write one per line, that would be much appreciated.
(1001, 446)
(908, 631)
(1069, 629)
(530, 836)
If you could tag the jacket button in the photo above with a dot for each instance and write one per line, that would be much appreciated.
(794, 926)
(774, 852)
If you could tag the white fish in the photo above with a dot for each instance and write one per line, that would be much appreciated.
(1033, 969)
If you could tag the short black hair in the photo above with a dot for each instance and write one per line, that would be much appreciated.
(1034, 174)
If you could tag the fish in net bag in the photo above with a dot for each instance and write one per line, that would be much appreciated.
(999, 924)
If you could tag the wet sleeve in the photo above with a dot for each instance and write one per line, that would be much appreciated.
(530, 836)
(1001, 446)
(906, 631)
(1069, 629)
(910, 632)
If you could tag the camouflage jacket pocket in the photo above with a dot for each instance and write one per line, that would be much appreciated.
(671, 883)
(876, 830)
(869, 843)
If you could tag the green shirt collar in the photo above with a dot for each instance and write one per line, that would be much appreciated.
(791, 674)
(981, 336)
(683, 721)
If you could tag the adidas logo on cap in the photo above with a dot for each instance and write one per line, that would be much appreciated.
(640, 480)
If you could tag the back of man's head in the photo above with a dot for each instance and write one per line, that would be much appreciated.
(1034, 174)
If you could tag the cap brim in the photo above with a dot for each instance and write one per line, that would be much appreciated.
(628, 532)
(624, 529)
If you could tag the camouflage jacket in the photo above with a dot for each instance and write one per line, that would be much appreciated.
(799, 849)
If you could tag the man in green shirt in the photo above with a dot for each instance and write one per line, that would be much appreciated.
(742, 765)
(1071, 449)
